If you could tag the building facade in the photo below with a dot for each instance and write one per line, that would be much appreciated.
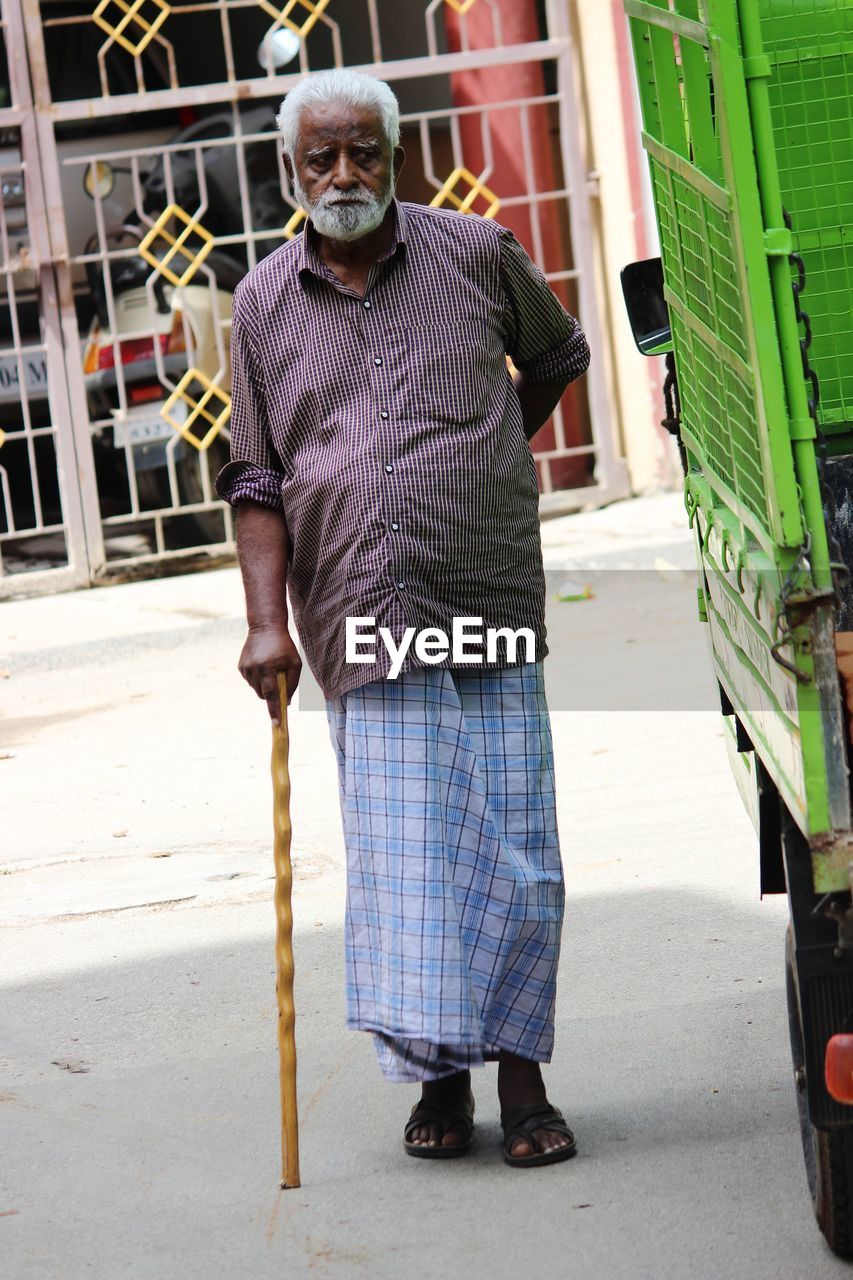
(141, 177)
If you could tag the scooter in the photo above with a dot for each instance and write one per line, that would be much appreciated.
(146, 334)
(136, 353)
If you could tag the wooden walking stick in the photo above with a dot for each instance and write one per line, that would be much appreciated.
(284, 947)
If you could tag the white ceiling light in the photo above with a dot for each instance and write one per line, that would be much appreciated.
(278, 48)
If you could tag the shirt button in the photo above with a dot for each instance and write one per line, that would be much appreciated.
(383, 413)
(366, 305)
(394, 525)
(388, 467)
(377, 360)
(401, 585)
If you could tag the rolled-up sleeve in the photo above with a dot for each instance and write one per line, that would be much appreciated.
(254, 473)
(545, 343)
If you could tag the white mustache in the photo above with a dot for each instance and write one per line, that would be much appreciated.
(327, 200)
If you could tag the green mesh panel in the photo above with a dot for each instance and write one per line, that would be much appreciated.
(810, 45)
(718, 398)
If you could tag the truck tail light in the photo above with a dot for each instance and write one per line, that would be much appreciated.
(838, 1068)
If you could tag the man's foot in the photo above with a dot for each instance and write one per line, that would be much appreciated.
(447, 1108)
(520, 1085)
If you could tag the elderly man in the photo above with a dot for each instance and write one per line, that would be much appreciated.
(381, 470)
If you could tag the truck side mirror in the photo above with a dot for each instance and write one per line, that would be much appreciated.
(648, 314)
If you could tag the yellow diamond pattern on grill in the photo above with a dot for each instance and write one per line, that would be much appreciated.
(132, 18)
(177, 245)
(215, 414)
(2, 437)
(465, 203)
(282, 16)
(293, 225)
(461, 6)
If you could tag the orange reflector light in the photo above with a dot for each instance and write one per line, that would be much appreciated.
(838, 1068)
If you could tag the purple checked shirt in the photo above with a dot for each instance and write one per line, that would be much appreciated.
(388, 431)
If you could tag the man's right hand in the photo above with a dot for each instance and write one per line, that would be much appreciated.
(267, 651)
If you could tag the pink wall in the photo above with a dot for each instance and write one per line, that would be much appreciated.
(506, 84)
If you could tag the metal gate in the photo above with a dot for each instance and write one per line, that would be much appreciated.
(148, 178)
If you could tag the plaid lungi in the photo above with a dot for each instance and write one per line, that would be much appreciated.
(454, 881)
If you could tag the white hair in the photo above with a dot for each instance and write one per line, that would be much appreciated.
(344, 88)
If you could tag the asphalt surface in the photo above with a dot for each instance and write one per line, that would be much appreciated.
(139, 1083)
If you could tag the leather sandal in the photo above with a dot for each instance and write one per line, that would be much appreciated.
(460, 1117)
(523, 1122)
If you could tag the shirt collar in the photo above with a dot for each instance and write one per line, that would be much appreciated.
(310, 259)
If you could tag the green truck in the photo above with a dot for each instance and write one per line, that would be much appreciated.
(747, 110)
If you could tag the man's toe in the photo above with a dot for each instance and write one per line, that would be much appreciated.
(521, 1148)
(546, 1140)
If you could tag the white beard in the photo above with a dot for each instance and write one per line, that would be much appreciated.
(346, 221)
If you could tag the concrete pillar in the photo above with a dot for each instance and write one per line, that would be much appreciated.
(613, 127)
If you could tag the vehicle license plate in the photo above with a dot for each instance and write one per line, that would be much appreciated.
(145, 425)
(34, 371)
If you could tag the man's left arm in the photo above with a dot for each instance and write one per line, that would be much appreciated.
(546, 344)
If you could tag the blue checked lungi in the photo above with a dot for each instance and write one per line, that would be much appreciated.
(454, 881)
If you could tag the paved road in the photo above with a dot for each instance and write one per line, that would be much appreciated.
(139, 1110)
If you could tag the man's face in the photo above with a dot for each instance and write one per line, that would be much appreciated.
(343, 171)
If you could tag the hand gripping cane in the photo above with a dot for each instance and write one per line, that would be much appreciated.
(284, 947)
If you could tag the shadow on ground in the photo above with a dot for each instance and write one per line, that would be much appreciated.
(151, 1149)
